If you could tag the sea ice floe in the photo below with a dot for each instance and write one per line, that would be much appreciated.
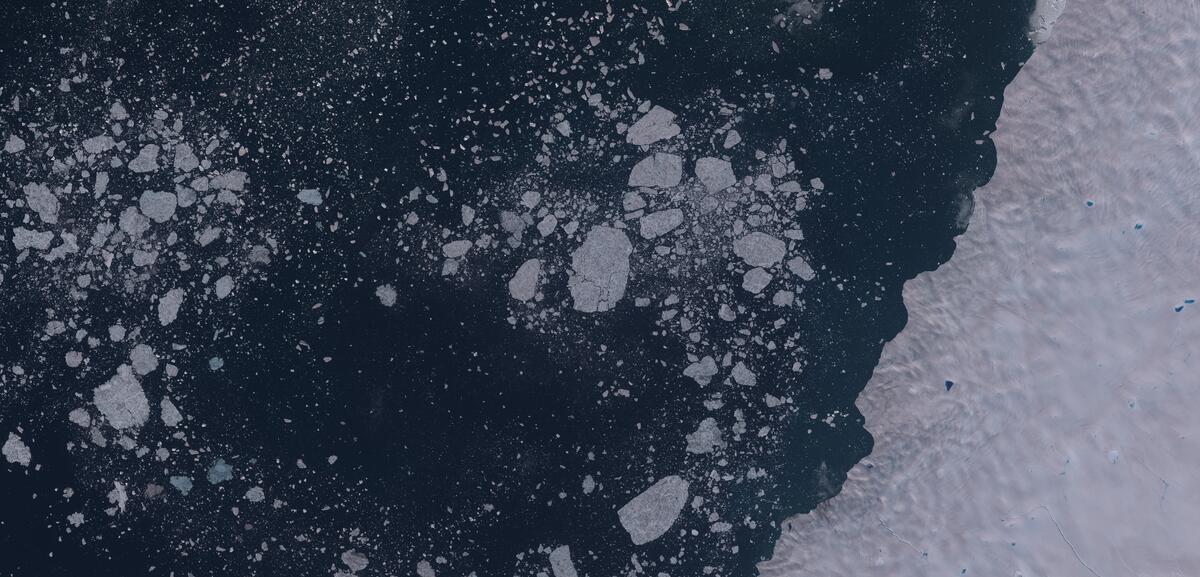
(524, 283)
(659, 223)
(715, 174)
(16, 451)
(657, 124)
(659, 170)
(121, 400)
(600, 270)
(649, 515)
(760, 249)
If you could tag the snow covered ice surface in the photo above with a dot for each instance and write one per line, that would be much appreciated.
(1067, 444)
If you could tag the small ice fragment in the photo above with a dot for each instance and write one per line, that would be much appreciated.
(146, 160)
(219, 472)
(16, 451)
(386, 294)
(98, 144)
(742, 375)
(143, 359)
(39, 199)
(233, 180)
(760, 249)
(531, 198)
(24, 238)
(589, 485)
(524, 283)
(424, 569)
(354, 560)
(169, 413)
(600, 270)
(649, 515)
(122, 401)
(657, 124)
(117, 111)
(80, 417)
(801, 268)
(732, 139)
(468, 215)
(73, 358)
(659, 223)
(706, 438)
(715, 174)
(457, 248)
(255, 494)
(756, 279)
(14, 144)
(185, 159)
(223, 286)
(310, 196)
(659, 170)
(182, 484)
(158, 206)
(702, 371)
(560, 562)
(168, 306)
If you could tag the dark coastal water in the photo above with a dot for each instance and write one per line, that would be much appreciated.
(456, 433)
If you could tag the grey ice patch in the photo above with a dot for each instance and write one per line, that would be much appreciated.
(702, 371)
(146, 160)
(732, 139)
(169, 414)
(168, 306)
(600, 270)
(560, 562)
(659, 170)
(706, 438)
(742, 375)
(133, 222)
(117, 111)
(310, 196)
(589, 485)
(16, 451)
(658, 124)
(386, 294)
(98, 144)
(255, 495)
(715, 174)
(24, 238)
(143, 359)
(122, 401)
(80, 417)
(424, 569)
(14, 144)
(801, 268)
(219, 472)
(756, 279)
(354, 560)
(524, 283)
(659, 223)
(456, 248)
(233, 180)
(182, 484)
(650, 514)
(223, 286)
(40, 200)
(158, 206)
(73, 359)
(759, 249)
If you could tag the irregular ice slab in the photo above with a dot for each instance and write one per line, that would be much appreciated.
(185, 159)
(600, 270)
(457, 248)
(16, 451)
(310, 196)
(24, 238)
(659, 223)
(702, 371)
(523, 284)
(659, 170)
(143, 359)
(223, 286)
(742, 375)
(354, 560)
(801, 268)
(706, 438)
(147, 159)
(560, 562)
(658, 124)
(98, 144)
(14, 144)
(40, 200)
(759, 249)
(219, 472)
(756, 279)
(168, 306)
(715, 174)
(169, 413)
(386, 294)
(158, 206)
(647, 516)
(122, 401)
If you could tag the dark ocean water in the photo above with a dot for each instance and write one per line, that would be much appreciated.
(438, 406)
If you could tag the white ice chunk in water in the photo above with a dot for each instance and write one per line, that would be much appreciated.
(310, 196)
(715, 174)
(560, 562)
(158, 206)
(659, 170)
(14, 144)
(760, 249)
(146, 160)
(600, 270)
(659, 223)
(756, 279)
(706, 438)
(168, 306)
(732, 139)
(223, 286)
(185, 159)
(702, 371)
(40, 200)
(524, 283)
(742, 375)
(801, 268)
(16, 451)
(649, 515)
(98, 144)
(169, 413)
(457, 248)
(122, 401)
(24, 238)
(143, 359)
(386, 294)
(657, 124)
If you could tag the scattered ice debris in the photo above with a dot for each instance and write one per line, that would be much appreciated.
(168, 306)
(16, 451)
(169, 413)
(657, 124)
(354, 560)
(310, 196)
(219, 472)
(715, 174)
(756, 279)
(760, 249)
(706, 438)
(702, 371)
(143, 359)
(386, 294)
(600, 270)
(560, 562)
(659, 223)
(524, 283)
(659, 170)
(122, 401)
(117, 496)
(650, 514)
(255, 494)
